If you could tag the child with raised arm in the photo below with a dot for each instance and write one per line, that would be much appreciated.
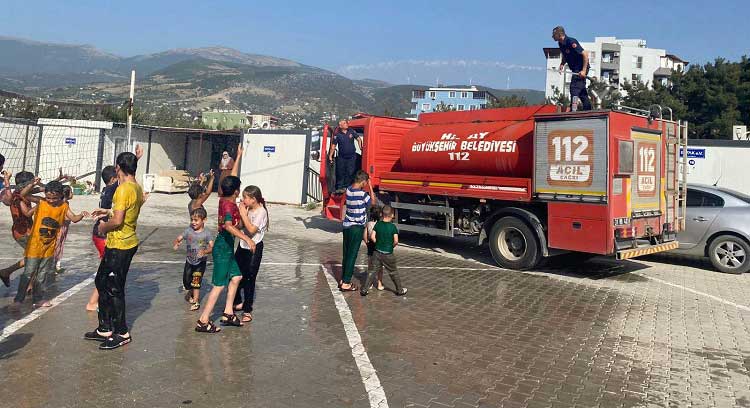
(49, 216)
(19, 199)
(226, 271)
(385, 236)
(200, 243)
(200, 191)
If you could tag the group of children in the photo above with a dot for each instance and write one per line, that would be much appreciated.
(234, 270)
(40, 228)
(365, 221)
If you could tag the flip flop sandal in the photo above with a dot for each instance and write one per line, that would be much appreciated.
(247, 318)
(230, 320)
(351, 288)
(209, 327)
(195, 306)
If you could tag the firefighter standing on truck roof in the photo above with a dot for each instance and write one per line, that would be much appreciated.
(578, 62)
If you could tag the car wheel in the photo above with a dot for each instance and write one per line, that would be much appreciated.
(729, 254)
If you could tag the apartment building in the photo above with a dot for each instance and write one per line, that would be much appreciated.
(617, 61)
(460, 98)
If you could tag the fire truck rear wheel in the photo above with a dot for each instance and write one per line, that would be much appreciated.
(514, 245)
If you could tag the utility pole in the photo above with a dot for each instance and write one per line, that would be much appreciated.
(130, 107)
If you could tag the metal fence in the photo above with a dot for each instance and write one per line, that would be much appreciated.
(314, 189)
(49, 147)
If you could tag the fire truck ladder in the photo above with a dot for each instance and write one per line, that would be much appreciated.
(676, 175)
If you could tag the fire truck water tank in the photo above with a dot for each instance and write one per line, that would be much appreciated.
(493, 149)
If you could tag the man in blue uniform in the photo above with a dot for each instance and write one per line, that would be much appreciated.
(346, 163)
(578, 62)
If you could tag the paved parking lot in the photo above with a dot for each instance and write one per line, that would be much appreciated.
(657, 332)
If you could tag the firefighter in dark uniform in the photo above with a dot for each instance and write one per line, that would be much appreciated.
(578, 62)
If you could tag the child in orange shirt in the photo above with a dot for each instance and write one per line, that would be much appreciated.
(49, 216)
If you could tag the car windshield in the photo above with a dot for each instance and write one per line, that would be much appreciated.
(736, 194)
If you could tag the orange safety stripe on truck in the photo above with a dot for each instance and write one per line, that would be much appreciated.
(633, 253)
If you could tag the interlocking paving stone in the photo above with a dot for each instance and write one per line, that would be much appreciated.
(597, 334)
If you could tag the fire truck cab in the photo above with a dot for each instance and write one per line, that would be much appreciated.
(531, 181)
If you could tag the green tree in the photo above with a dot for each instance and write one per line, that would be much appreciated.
(603, 94)
(558, 98)
(507, 102)
(442, 107)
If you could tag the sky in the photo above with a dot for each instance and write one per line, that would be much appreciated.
(493, 43)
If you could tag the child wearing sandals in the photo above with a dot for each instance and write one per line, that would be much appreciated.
(373, 217)
(226, 271)
(255, 219)
(199, 242)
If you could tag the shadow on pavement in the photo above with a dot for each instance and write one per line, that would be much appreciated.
(682, 260)
(594, 268)
(320, 223)
(142, 293)
(13, 343)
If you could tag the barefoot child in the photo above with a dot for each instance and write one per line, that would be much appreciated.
(226, 271)
(49, 215)
(199, 242)
(120, 247)
(373, 217)
(109, 176)
(254, 216)
(385, 236)
(21, 229)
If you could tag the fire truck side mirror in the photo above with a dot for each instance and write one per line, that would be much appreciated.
(625, 157)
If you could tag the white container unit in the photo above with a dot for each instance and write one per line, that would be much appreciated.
(277, 161)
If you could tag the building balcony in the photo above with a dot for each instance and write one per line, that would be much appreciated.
(608, 47)
(663, 73)
(611, 66)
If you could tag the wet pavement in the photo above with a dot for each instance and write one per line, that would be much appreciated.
(657, 332)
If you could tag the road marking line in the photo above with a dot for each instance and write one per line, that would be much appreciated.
(369, 376)
(18, 324)
(317, 264)
(716, 298)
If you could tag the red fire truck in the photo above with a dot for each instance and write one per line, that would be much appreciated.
(530, 180)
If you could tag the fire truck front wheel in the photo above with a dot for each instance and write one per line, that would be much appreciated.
(514, 245)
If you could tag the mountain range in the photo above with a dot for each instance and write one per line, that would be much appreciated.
(193, 79)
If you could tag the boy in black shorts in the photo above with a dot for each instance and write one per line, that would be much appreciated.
(199, 243)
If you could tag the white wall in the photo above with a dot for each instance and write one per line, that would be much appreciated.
(651, 62)
(279, 174)
(727, 165)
